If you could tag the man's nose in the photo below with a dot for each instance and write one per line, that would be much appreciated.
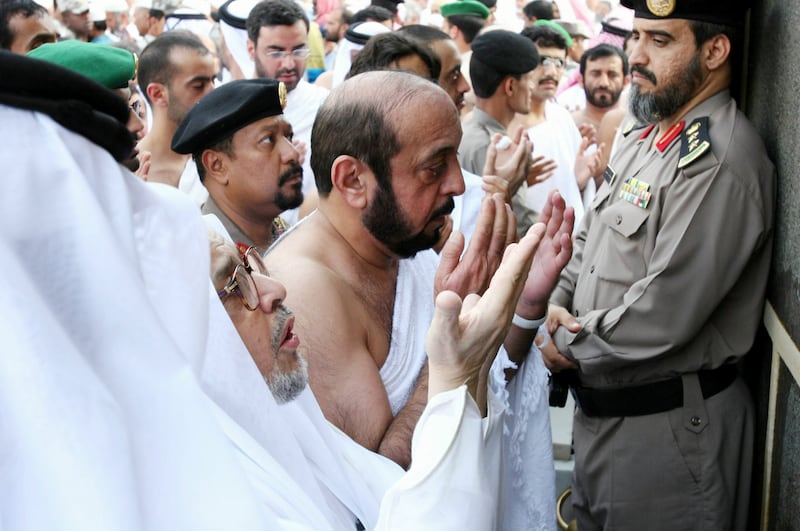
(271, 293)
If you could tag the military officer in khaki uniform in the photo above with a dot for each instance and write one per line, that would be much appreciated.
(666, 286)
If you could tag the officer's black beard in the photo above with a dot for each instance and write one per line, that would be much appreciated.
(665, 101)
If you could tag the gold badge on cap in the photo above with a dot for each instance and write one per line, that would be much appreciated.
(282, 94)
(661, 8)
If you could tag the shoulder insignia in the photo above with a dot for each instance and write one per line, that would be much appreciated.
(609, 174)
(631, 125)
(695, 142)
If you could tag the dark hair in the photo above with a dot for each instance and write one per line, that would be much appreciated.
(545, 36)
(12, 8)
(384, 49)
(389, 5)
(603, 50)
(274, 13)
(469, 25)
(539, 9)
(376, 13)
(368, 117)
(225, 145)
(485, 79)
(423, 33)
(155, 65)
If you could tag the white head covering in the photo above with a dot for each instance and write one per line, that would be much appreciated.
(232, 15)
(346, 47)
(102, 422)
(336, 473)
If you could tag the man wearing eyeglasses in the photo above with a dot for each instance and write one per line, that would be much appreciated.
(552, 130)
(277, 40)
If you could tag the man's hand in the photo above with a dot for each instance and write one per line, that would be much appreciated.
(552, 255)
(143, 170)
(553, 359)
(589, 132)
(465, 334)
(587, 166)
(302, 151)
(495, 185)
(494, 230)
(509, 162)
(541, 169)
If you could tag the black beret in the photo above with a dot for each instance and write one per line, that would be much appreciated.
(725, 13)
(507, 52)
(227, 109)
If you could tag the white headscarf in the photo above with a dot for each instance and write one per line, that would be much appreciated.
(344, 52)
(336, 473)
(103, 308)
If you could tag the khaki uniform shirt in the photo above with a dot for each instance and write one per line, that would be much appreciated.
(676, 284)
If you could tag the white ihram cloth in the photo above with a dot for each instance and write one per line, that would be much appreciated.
(528, 473)
(189, 183)
(558, 138)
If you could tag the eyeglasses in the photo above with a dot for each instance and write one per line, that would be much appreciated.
(551, 61)
(138, 108)
(242, 282)
(300, 53)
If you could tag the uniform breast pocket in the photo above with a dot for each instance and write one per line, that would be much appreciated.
(622, 256)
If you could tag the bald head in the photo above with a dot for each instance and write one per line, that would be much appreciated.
(364, 117)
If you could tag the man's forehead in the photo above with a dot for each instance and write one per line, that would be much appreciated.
(551, 51)
(609, 61)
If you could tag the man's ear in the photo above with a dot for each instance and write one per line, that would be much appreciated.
(351, 178)
(251, 49)
(158, 95)
(508, 85)
(453, 31)
(215, 163)
(716, 51)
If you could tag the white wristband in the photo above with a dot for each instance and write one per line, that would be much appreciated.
(528, 324)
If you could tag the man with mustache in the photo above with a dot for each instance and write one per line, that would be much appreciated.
(277, 41)
(604, 76)
(242, 146)
(552, 130)
(665, 291)
(386, 171)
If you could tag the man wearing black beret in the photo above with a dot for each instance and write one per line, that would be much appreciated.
(243, 150)
(666, 286)
(501, 65)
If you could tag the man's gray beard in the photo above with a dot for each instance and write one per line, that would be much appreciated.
(657, 105)
(286, 386)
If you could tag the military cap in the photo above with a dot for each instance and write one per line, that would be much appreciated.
(557, 27)
(111, 67)
(225, 110)
(466, 7)
(507, 52)
(725, 13)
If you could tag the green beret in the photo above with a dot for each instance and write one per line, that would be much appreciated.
(726, 13)
(466, 7)
(558, 27)
(506, 52)
(225, 110)
(111, 67)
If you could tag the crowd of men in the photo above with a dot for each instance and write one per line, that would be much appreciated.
(354, 251)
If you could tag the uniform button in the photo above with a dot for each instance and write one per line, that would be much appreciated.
(618, 220)
(591, 269)
(696, 421)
